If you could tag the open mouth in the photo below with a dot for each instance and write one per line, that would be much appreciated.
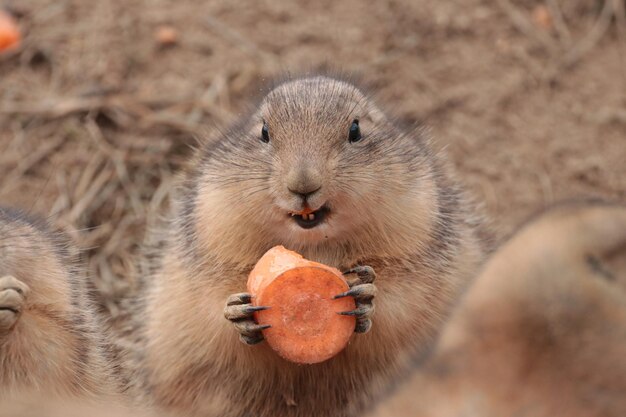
(310, 219)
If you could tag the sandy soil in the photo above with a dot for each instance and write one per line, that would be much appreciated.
(96, 117)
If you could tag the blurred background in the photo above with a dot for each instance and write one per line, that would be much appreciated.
(102, 102)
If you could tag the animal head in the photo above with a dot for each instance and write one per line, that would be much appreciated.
(316, 164)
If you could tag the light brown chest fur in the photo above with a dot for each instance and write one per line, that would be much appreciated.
(194, 362)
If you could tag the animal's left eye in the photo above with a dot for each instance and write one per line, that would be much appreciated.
(355, 132)
(265, 133)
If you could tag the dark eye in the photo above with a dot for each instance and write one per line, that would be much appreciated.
(265, 133)
(355, 132)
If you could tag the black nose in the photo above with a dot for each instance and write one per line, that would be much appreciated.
(305, 190)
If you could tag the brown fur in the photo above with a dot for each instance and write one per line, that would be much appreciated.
(541, 332)
(38, 406)
(393, 207)
(55, 346)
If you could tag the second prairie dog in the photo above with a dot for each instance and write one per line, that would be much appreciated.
(50, 340)
(541, 332)
(387, 201)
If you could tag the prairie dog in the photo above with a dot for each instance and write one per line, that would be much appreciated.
(50, 344)
(381, 200)
(541, 332)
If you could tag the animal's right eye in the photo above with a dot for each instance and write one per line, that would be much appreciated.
(354, 134)
(265, 133)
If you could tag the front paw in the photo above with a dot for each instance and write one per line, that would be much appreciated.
(363, 290)
(240, 311)
(13, 295)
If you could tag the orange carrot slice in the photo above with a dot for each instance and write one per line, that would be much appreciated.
(10, 36)
(303, 314)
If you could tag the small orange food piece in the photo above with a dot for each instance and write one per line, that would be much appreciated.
(10, 36)
(542, 17)
(166, 35)
(305, 211)
(303, 314)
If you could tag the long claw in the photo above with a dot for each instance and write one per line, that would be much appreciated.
(241, 298)
(349, 313)
(362, 311)
(359, 312)
(349, 293)
(251, 340)
(361, 292)
(238, 312)
(252, 309)
(366, 274)
(250, 328)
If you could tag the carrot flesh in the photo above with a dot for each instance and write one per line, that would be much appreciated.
(10, 36)
(303, 314)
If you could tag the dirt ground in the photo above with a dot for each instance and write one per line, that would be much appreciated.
(96, 117)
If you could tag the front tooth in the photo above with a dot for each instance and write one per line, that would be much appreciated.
(311, 216)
